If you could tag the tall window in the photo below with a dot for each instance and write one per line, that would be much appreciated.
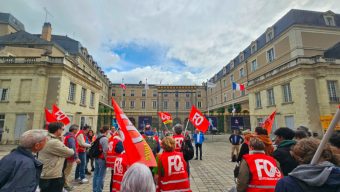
(253, 47)
(154, 93)
(225, 97)
(165, 104)
(269, 34)
(253, 65)
(224, 83)
(123, 104)
(231, 78)
(270, 55)
(287, 95)
(3, 94)
(92, 99)
(132, 104)
(143, 93)
(132, 93)
(270, 95)
(177, 104)
(154, 104)
(143, 104)
(258, 100)
(187, 105)
(2, 121)
(199, 94)
(83, 96)
(199, 104)
(241, 57)
(241, 72)
(332, 91)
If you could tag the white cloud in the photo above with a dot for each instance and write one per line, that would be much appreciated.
(204, 34)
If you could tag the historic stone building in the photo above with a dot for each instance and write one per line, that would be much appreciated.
(141, 105)
(39, 70)
(285, 69)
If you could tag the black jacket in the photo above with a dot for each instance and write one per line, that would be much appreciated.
(19, 171)
(283, 156)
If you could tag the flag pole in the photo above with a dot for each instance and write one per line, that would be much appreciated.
(326, 137)
(186, 127)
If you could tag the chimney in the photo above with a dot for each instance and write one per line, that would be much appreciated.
(46, 32)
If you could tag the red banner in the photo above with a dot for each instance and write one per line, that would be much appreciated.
(57, 115)
(135, 146)
(268, 123)
(198, 119)
(166, 117)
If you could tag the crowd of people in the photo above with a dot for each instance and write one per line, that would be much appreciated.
(44, 160)
(284, 164)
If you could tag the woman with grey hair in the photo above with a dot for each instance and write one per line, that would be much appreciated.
(20, 171)
(138, 178)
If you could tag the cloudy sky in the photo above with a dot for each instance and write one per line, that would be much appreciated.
(175, 42)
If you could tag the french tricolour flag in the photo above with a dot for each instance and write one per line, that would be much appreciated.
(237, 86)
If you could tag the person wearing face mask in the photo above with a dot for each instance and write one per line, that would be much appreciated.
(20, 170)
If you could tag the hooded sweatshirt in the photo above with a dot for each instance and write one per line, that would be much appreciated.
(282, 155)
(312, 178)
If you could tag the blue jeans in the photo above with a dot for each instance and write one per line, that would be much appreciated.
(80, 169)
(99, 174)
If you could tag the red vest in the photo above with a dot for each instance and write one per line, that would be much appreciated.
(120, 167)
(80, 148)
(178, 142)
(264, 171)
(66, 138)
(111, 154)
(175, 172)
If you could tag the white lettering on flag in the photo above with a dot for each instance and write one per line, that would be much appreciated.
(175, 164)
(198, 119)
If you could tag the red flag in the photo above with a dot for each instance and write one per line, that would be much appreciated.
(198, 119)
(123, 86)
(135, 146)
(166, 117)
(60, 115)
(49, 117)
(268, 123)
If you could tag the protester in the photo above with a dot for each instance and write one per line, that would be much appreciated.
(262, 134)
(20, 171)
(178, 137)
(245, 145)
(187, 150)
(71, 142)
(83, 144)
(151, 139)
(100, 164)
(305, 129)
(324, 176)
(258, 171)
(138, 178)
(171, 171)
(53, 157)
(299, 134)
(198, 139)
(119, 168)
(235, 139)
(284, 141)
(91, 138)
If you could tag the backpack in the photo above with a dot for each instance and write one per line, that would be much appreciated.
(94, 150)
(187, 150)
(151, 141)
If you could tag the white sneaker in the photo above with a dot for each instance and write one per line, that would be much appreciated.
(84, 181)
(77, 180)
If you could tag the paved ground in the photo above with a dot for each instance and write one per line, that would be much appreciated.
(213, 173)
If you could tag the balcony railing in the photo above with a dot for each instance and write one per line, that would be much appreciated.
(31, 60)
(334, 99)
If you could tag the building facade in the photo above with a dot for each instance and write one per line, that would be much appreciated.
(285, 69)
(39, 70)
(142, 103)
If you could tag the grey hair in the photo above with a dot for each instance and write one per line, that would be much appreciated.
(138, 178)
(178, 128)
(29, 138)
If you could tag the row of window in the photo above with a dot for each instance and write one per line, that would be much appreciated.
(165, 104)
(287, 96)
(83, 94)
(225, 97)
(154, 93)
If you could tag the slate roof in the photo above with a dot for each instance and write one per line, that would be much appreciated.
(10, 19)
(293, 17)
(22, 37)
(333, 52)
(70, 45)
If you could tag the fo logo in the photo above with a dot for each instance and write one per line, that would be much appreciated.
(197, 119)
(175, 164)
(266, 167)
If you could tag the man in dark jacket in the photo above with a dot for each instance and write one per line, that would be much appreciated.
(19, 170)
(284, 144)
(235, 140)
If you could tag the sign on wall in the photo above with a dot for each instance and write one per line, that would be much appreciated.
(212, 123)
(236, 123)
(143, 120)
(326, 120)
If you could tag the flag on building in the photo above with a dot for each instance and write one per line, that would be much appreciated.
(211, 84)
(198, 119)
(236, 86)
(123, 86)
(135, 146)
(268, 123)
(165, 117)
